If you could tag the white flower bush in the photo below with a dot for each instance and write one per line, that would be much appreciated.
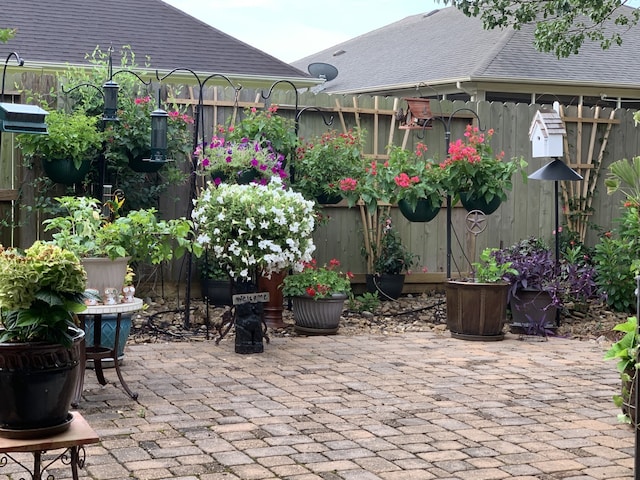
(255, 229)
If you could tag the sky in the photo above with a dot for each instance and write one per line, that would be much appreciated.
(292, 29)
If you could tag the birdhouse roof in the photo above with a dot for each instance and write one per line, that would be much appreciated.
(549, 123)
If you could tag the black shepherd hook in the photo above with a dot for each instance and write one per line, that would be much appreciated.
(198, 129)
(20, 62)
(296, 125)
(447, 142)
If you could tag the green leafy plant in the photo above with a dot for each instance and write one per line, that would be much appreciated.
(131, 136)
(625, 351)
(82, 228)
(471, 166)
(74, 136)
(317, 281)
(489, 270)
(617, 253)
(367, 302)
(324, 160)
(267, 128)
(392, 256)
(41, 289)
(255, 229)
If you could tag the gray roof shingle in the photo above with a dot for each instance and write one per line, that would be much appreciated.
(55, 32)
(444, 46)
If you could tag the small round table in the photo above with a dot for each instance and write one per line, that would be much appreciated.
(97, 353)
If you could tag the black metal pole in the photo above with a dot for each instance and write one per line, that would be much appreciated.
(636, 384)
(556, 192)
(447, 141)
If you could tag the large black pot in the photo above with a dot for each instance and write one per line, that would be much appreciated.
(38, 382)
(217, 292)
(388, 286)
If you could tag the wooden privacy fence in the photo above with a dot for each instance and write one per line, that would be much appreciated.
(595, 138)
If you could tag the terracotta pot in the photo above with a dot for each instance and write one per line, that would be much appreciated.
(274, 307)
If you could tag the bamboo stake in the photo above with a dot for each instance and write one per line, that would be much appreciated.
(342, 122)
(376, 125)
(357, 111)
(365, 233)
(392, 124)
(567, 156)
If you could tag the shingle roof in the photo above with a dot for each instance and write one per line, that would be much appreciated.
(444, 45)
(51, 31)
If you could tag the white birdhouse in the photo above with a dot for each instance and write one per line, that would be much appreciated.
(546, 134)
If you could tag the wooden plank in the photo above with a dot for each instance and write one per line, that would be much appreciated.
(590, 120)
(8, 195)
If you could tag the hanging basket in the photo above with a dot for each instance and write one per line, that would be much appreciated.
(328, 199)
(471, 202)
(64, 171)
(138, 164)
(425, 210)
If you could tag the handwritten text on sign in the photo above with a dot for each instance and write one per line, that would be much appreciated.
(241, 298)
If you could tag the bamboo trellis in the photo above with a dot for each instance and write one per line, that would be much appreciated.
(578, 196)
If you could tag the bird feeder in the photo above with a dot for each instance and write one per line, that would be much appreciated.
(18, 118)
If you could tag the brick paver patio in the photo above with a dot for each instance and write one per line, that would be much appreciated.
(409, 407)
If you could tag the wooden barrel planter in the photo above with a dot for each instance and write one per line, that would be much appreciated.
(476, 311)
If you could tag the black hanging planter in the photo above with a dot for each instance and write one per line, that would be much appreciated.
(38, 382)
(64, 171)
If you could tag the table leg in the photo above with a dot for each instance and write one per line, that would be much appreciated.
(97, 341)
(116, 363)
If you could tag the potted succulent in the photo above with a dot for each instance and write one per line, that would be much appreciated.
(318, 294)
(66, 153)
(323, 161)
(477, 308)
(625, 351)
(419, 183)
(475, 175)
(41, 291)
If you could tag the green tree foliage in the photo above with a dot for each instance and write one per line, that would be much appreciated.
(6, 34)
(561, 26)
